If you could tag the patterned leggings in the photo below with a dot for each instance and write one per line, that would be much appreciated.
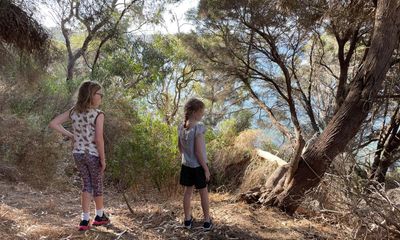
(89, 168)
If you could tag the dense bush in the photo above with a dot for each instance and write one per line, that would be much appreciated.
(146, 151)
(34, 154)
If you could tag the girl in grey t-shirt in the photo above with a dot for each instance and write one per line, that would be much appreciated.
(194, 171)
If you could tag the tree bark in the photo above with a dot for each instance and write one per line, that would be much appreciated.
(344, 62)
(388, 149)
(70, 69)
(345, 123)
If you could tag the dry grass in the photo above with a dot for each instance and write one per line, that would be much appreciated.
(250, 139)
(240, 165)
(36, 156)
(257, 173)
(349, 202)
(53, 214)
(233, 165)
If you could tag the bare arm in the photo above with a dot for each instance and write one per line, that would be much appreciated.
(180, 145)
(56, 124)
(180, 148)
(200, 152)
(99, 138)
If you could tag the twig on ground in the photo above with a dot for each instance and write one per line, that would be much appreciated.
(4, 214)
(120, 235)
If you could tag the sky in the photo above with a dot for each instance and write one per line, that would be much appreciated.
(178, 9)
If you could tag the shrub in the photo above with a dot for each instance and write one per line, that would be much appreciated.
(146, 151)
(32, 151)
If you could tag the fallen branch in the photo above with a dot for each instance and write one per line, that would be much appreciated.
(127, 203)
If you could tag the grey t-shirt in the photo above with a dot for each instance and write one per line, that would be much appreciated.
(187, 139)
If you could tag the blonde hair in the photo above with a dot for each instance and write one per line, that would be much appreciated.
(85, 94)
(192, 106)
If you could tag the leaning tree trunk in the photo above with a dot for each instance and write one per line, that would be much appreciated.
(344, 124)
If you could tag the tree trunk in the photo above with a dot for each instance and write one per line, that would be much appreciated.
(70, 70)
(70, 73)
(72, 58)
(388, 149)
(346, 121)
(378, 174)
(375, 174)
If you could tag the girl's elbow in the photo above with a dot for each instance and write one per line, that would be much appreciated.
(52, 125)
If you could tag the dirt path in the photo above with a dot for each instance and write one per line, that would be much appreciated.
(26, 213)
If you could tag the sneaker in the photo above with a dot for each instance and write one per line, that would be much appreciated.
(84, 225)
(207, 226)
(189, 223)
(98, 221)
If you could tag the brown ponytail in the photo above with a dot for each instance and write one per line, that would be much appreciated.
(191, 106)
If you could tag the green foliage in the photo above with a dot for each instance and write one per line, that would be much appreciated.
(223, 139)
(77, 40)
(21, 106)
(149, 151)
(42, 101)
(227, 131)
(243, 120)
(230, 128)
(210, 135)
(134, 67)
(170, 46)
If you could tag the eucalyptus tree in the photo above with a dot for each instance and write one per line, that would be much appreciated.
(99, 22)
(265, 40)
(154, 68)
(175, 77)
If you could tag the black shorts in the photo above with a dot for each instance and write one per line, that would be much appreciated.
(193, 176)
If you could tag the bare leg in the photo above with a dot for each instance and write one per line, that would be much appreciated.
(85, 201)
(99, 202)
(205, 203)
(186, 202)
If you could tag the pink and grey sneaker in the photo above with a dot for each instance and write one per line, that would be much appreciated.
(84, 225)
(103, 220)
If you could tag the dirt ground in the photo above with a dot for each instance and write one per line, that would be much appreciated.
(26, 213)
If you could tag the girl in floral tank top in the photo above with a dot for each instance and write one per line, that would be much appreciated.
(88, 148)
(84, 131)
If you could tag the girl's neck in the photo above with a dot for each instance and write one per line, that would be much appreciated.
(191, 122)
(93, 107)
